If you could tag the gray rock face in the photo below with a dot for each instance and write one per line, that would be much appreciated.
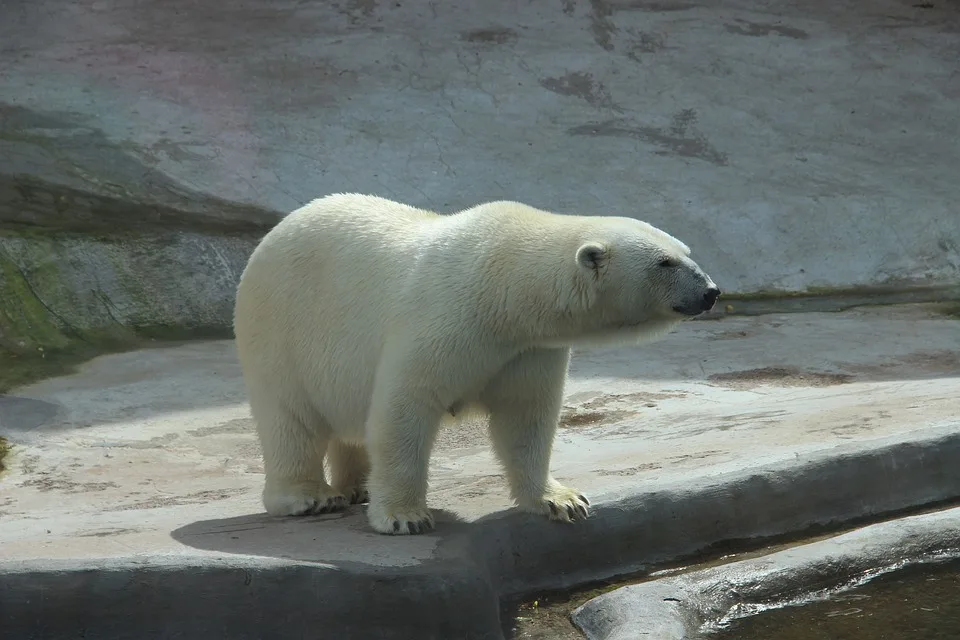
(792, 147)
(95, 244)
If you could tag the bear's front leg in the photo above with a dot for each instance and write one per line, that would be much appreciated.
(400, 440)
(524, 401)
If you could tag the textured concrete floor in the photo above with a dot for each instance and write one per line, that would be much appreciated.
(114, 458)
(144, 467)
(792, 145)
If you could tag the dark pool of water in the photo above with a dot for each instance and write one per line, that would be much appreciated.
(917, 603)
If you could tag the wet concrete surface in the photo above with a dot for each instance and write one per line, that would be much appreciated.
(918, 603)
(883, 559)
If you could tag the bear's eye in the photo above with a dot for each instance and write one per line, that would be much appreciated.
(666, 262)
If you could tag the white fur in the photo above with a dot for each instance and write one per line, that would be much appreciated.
(363, 324)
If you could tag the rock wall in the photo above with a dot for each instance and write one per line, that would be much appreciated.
(146, 146)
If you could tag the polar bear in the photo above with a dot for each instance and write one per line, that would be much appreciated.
(362, 325)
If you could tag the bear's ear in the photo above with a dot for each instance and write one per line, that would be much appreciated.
(592, 255)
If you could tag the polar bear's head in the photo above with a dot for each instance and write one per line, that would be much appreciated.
(638, 279)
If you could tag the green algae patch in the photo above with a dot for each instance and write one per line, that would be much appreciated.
(825, 299)
(20, 369)
(35, 342)
(48, 326)
(941, 291)
(951, 310)
(4, 450)
(32, 345)
(26, 322)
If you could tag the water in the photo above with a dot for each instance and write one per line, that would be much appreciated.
(921, 602)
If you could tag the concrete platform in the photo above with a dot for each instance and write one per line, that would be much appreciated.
(133, 490)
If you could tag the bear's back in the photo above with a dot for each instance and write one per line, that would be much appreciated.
(320, 292)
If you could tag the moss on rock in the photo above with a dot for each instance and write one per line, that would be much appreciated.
(26, 323)
(49, 325)
(4, 450)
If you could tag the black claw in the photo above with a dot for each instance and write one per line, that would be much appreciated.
(412, 527)
(582, 510)
(584, 500)
(396, 525)
(570, 513)
(553, 508)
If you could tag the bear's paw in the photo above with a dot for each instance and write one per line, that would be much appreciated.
(303, 501)
(400, 522)
(560, 503)
(357, 495)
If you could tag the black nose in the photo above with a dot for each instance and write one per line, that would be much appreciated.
(710, 298)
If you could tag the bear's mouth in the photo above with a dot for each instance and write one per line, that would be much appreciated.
(688, 311)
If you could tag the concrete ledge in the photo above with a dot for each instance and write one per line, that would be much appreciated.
(474, 565)
(819, 490)
(686, 606)
(154, 598)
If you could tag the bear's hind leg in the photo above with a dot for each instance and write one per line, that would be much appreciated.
(349, 468)
(293, 462)
(524, 402)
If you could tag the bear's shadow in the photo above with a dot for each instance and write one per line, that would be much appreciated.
(334, 539)
(510, 543)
